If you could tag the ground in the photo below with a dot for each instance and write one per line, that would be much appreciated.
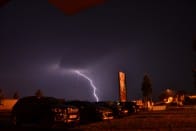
(174, 119)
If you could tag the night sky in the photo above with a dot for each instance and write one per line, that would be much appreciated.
(39, 45)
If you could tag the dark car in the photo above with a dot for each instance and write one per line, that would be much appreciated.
(130, 106)
(90, 112)
(117, 109)
(44, 111)
(189, 101)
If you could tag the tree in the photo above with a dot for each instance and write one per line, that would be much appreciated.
(180, 96)
(1, 95)
(146, 88)
(39, 93)
(16, 95)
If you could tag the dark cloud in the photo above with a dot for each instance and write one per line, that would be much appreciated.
(83, 57)
(132, 36)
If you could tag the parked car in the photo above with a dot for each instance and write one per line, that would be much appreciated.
(189, 101)
(130, 106)
(90, 112)
(44, 111)
(118, 111)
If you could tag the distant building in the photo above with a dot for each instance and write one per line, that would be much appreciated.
(7, 104)
(190, 100)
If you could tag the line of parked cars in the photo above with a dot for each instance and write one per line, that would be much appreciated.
(50, 111)
(44, 111)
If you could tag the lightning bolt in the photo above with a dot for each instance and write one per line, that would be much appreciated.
(91, 83)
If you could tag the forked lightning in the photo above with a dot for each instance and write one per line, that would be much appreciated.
(90, 81)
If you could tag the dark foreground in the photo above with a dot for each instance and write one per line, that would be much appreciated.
(176, 119)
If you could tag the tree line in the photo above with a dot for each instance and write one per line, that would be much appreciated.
(16, 95)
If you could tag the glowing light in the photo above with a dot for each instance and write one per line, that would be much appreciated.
(90, 81)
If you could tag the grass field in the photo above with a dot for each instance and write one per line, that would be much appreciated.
(170, 120)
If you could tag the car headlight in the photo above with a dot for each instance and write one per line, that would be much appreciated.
(99, 110)
(72, 110)
(57, 110)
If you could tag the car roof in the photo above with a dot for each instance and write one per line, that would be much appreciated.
(44, 99)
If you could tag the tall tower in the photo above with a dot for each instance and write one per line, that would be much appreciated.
(122, 87)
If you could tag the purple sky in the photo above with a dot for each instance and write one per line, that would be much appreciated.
(131, 36)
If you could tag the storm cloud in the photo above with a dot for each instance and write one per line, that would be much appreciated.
(84, 56)
(132, 36)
